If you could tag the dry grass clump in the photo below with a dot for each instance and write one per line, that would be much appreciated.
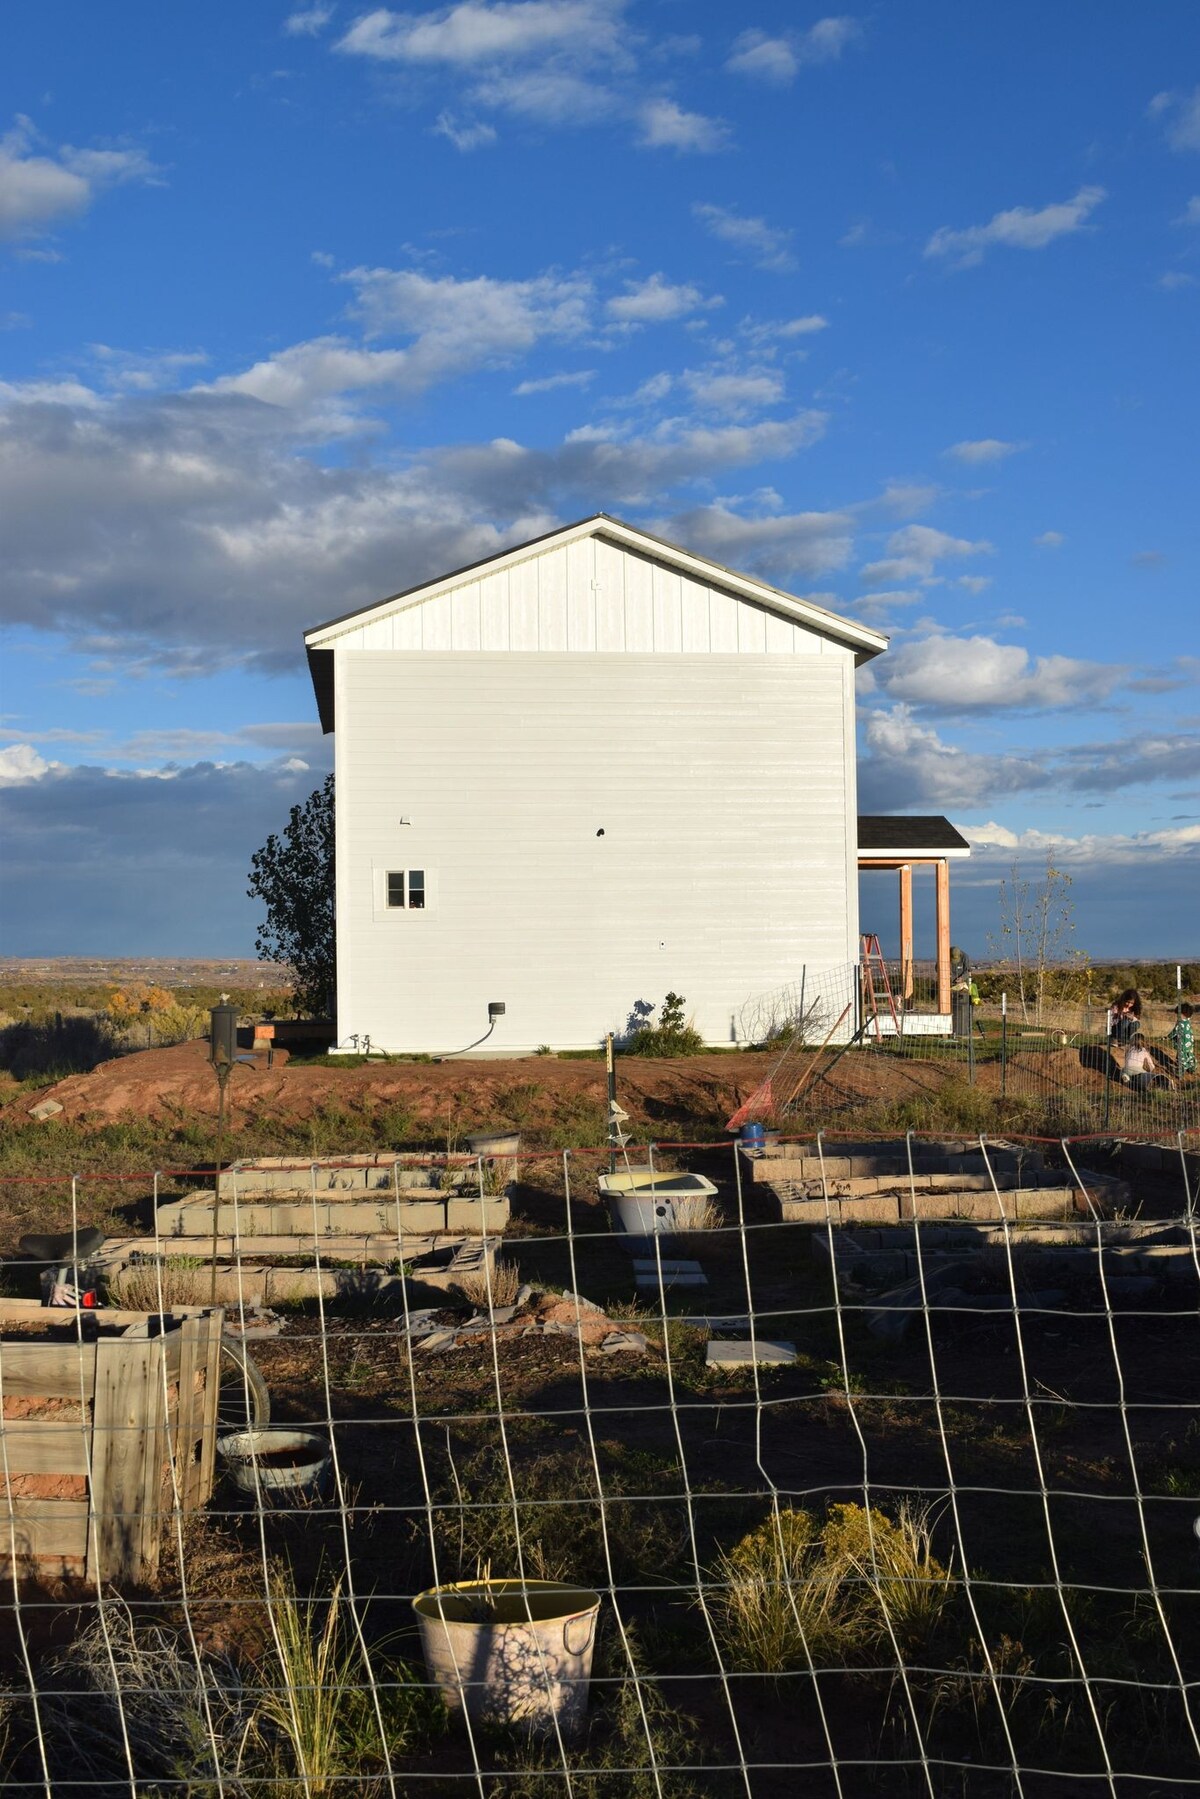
(505, 1284)
(160, 1285)
(793, 1590)
(696, 1214)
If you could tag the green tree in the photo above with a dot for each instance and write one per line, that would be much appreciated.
(293, 876)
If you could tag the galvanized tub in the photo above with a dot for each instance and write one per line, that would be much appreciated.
(511, 1651)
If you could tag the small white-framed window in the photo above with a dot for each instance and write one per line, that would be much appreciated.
(405, 889)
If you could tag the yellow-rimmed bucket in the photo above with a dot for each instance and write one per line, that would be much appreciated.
(511, 1651)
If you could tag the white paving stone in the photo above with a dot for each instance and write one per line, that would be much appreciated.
(723, 1354)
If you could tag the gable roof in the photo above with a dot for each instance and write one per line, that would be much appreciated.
(865, 642)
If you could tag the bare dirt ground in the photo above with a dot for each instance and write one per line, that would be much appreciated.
(691, 1096)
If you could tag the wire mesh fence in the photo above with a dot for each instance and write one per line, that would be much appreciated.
(884, 1479)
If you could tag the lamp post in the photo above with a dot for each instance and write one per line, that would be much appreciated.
(222, 1054)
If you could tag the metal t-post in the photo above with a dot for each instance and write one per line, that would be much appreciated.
(222, 1070)
(1003, 1045)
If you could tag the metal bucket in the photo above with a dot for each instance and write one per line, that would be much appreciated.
(289, 1463)
(511, 1651)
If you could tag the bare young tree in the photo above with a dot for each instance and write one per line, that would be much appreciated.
(1037, 936)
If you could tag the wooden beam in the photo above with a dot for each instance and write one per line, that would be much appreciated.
(906, 931)
(48, 1370)
(942, 913)
(42, 1446)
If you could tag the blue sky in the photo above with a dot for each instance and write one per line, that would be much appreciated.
(897, 308)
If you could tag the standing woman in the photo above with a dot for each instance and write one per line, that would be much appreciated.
(1124, 1015)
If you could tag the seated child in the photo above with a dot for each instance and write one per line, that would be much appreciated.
(1140, 1068)
(1182, 1040)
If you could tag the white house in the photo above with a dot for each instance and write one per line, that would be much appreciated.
(582, 773)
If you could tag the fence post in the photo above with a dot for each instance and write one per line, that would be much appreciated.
(1003, 1045)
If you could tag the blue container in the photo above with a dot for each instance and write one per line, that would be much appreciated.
(753, 1139)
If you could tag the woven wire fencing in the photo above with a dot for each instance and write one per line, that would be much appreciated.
(869, 1040)
(865, 1471)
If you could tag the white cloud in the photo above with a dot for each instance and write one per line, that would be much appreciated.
(734, 394)
(1050, 540)
(655, 301)
(550, 96)
(666, 126)
(1109, 848)
(21, 762)
(908, 765)
(475, 32)
(1175, 280)
(766, 246)
(973, 583)
(305, 374)
(549, 383)
(1020, 228)
(309, 21)
(38, 191)
(914, 552)
(1191, 212)
(782, 547)
(777, 59)
(1181, 113)
(982, 449)
(964, 674)
(464, 137)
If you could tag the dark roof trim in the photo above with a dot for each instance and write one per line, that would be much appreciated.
(320, 667)
(898, 833)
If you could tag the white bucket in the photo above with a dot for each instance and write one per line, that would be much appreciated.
(289, 1463)
(511, 1651)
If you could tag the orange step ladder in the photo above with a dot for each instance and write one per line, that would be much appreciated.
(876, 986)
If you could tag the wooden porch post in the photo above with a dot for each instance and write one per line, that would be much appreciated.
(906, 931)
(942, 913)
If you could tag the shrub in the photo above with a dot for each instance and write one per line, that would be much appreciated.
(673, 1035)
(790, 1590)
(503, 1289)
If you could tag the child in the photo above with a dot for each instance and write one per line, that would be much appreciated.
(1140, 1068)
(1182, 1041)
(1124, 1015)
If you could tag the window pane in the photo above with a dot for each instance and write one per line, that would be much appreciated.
(395, 891)
(416, 888)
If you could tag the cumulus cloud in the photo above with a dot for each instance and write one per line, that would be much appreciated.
(982, 449)
(664, 125)
(907, 765)
(778, 58)
(476, 33)
(914, 552)
(1180, 115)
(783, 546)
(39, 190)
(21, 762)
(1020, 228)
(966, 674)
(766, 246)
(655, 301)
(196, 529)
(1050, 540)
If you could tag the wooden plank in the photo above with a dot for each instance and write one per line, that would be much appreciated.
(48, 1370)
(942, 913)
(189, 1412)
(212, 1382)
(156, 1498)
(43, 1446)
(125, 1376)
(906, 930)
(43, 1529)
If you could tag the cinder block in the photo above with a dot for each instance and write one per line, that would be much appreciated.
(477, 1216)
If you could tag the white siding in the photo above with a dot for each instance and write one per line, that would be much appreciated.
(585, 597)
(723, 784)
